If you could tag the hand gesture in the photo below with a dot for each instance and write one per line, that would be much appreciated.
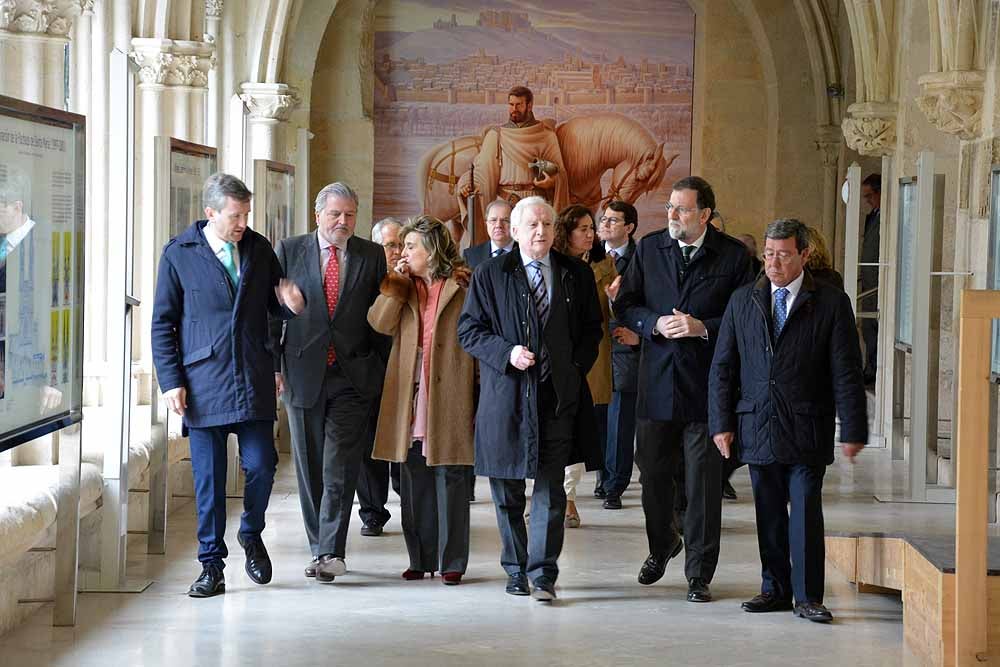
(625, 336)
(680, 325)
(521, 358)
(403, 267)
(290, 296)
(724, 443)
(851, 450)
(612, 289)
(176, 400)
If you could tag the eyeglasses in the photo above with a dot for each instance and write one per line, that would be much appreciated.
(681, 210)
(782, 256)
(611, 222)
(393, 245)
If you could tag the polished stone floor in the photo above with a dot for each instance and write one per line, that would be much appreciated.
(372, 617)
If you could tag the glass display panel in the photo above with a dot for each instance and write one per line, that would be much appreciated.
(190, 166)
(904, 260)
(993, 275)
(279, 201)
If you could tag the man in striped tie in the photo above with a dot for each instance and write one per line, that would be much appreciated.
(533, 321)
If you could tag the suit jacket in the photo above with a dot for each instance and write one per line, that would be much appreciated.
(477, 254)
(780, 395)
(869, 253)
(499, 313)
(624, 358)
(361, 352)
(212, 338)
(673, 373)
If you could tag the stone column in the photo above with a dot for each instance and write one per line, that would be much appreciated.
(33, 35)
(216, 101)
(270, 105)
(829, 143)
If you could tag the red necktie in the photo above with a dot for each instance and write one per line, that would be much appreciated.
(331, 286)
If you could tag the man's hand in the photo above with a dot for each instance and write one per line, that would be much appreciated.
(612, 289)
(176, 400)
(545, 181)
(521, 358)
(625, 336)
(49, 400)
(279, 384)
(851, 450)
(724, 443)
(290, 296)
(680, 325)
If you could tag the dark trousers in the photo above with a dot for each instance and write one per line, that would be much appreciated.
(435, 514)
(536, 552)
(373, 483)
(328, 443)
(258, 459)
(658, 454)
(869, 333)
(798, 538)
(620, 448)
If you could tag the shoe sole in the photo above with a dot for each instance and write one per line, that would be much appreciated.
(518, 593)
(677, 550)
(543, 596)
(814, 620)
(218, 591)
(698, 600)
(324, 580)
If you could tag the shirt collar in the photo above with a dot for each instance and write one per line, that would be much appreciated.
(16, 236)
(507, 248)
(697, 243)
(326, 245)
(544, 261)
(792, 287)
(622, 250)
(213, 239)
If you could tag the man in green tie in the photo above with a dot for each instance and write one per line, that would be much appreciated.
(217, 283)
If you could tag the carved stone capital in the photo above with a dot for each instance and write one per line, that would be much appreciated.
(953, 101)
(269, 101)
(168, 62)
(870, 129)
(828, 143)
(38, 17)
(213, 8)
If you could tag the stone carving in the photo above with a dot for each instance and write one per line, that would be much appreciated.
(213, 8)
(171, 69)
(40, 17)
(953, 101)
(269, 101)
(870, 129)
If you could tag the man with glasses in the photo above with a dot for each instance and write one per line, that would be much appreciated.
(674, 294)
(616, 229)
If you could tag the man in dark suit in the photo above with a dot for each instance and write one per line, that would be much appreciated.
(673, 294)
(498, 227)
(533, 321)
(871, 193)
(217, 283)
(787, 363)
(333, 370)
(616, 230)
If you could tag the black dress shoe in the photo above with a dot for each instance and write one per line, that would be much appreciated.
(371, 529)
(652, 570)
(698, 590)
(517, 584)
(613, 503)
(600, 493)
(258, 562)
(728, 492)
(544, 590)
(210, 582)
(765, 602)
(813, 611)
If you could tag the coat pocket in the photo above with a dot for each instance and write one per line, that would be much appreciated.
(810, 426)
(745, 440)
(195, 356)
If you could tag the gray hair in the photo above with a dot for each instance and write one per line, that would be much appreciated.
(338, 189)
(530, 202)
(219, 186)
(495, 202)
(382, 224)
(787, 228)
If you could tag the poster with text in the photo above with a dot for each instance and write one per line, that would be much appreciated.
(188, 172)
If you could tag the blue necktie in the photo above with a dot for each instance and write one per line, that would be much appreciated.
(780, 310)
(228, 263)
(540, 294)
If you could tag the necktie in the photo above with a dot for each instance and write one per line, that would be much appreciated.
(540, 295)
(780, 310)
(498, 252)
(331, 287)
(4, 248)
(614, 255)
(228, 263)
(686, 252)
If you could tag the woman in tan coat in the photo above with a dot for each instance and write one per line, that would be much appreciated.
(575, 234)
(426, 416)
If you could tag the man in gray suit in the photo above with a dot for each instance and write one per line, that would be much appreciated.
(333, 364)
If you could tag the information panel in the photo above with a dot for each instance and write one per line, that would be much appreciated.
(42, 176)
(993, 276)
(904, 260)
(190, 166)
(274, 185)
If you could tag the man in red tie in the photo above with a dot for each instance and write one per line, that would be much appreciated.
(333, 364)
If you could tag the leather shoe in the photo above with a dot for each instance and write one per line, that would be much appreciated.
(728, 492)
(652, 570)
(600, 493)
(698, 590)
(210, 582)
(329, 568)
(258, 565)
(544, 590)
(613, 503)
(311, 568)
(813, 611)
(517, 584)
(451, 578)
(371, 529)
(765, 602)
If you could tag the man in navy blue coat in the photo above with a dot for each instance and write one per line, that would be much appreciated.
(673, 295)
(787, 362)
(217, 282)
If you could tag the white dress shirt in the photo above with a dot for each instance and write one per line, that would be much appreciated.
(218, 247)
(697, 243)
(793, 291)
(494, 247)
(324, 258)
(621, 250)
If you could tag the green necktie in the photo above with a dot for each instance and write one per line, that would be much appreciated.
(228, 263)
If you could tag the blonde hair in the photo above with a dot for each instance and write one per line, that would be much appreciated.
(819, 254)
(437, 241)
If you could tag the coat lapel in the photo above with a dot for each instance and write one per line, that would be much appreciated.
(355, 264)
(308, 256)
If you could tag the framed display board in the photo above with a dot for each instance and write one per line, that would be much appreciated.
(993, 274)
(904, 260)
(190, 165)
(274, 199)
(42, 183)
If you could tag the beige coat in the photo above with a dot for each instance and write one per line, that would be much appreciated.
(450, 412)
(599, 377)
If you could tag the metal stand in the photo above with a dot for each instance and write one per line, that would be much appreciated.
(67, 529)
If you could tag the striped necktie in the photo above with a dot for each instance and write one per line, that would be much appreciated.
(540, 295)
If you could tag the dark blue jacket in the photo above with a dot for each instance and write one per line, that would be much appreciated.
(212, 339)
(624, 358)
(780, 397)
(673, 373)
